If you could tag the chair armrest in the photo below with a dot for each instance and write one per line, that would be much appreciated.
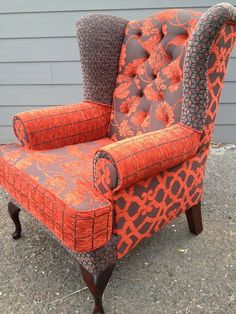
(124, 163)
(59, 126)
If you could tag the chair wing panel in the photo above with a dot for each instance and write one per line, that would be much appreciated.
(205, 66)
(100, 39)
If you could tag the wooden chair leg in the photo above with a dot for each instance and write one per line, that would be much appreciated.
(97, 284)
(194, 218)
(14, 214)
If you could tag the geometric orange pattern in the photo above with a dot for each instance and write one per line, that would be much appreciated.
(218, 61)
(148, 205)
(197, 62)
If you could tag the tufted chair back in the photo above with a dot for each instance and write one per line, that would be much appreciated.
(149, 92)
(171, 69)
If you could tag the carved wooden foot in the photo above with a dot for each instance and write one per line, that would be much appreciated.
(194, 218)
(14, 214)
(97, 284)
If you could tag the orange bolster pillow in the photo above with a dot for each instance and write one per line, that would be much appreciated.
(142, 156)
(59, 126)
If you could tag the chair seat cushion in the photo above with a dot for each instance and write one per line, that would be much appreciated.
(56, 187)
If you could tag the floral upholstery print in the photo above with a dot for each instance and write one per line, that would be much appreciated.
(149, 91)
(56, 187)
(59, 126)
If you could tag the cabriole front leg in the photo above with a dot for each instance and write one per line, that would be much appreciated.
(96, 268)
(97, 284)
(14, 212)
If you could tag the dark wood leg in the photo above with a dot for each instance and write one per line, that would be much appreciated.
(194, 218)
(14, 213)
(97, 284)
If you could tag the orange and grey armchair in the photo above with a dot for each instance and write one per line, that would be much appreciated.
(103, 174)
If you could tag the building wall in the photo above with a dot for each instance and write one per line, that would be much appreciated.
(40, 62)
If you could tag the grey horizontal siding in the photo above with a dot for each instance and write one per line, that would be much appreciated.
(224, 134)
(24, 73)
(39, 95)
(16, 6)
(40, 62)
(226, 114)
(39, 49)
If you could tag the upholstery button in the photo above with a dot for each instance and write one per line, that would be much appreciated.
(160, 95)
(161, 34)
(139, 32)
(154, 76)
(140, 94)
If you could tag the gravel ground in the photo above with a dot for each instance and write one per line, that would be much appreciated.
(173, 272)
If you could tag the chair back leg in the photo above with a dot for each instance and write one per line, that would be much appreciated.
(194, 218)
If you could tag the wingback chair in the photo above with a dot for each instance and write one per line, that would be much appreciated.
(105, 173)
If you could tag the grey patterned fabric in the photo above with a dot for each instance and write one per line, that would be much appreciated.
(100, 259)
(195, 90)
(100, 39)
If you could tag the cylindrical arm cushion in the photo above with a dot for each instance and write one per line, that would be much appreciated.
(59, 126)
(133, 159)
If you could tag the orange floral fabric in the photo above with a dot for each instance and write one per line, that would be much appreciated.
(142, 156)
(59, 126)
(56, 187)
(148, 94)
